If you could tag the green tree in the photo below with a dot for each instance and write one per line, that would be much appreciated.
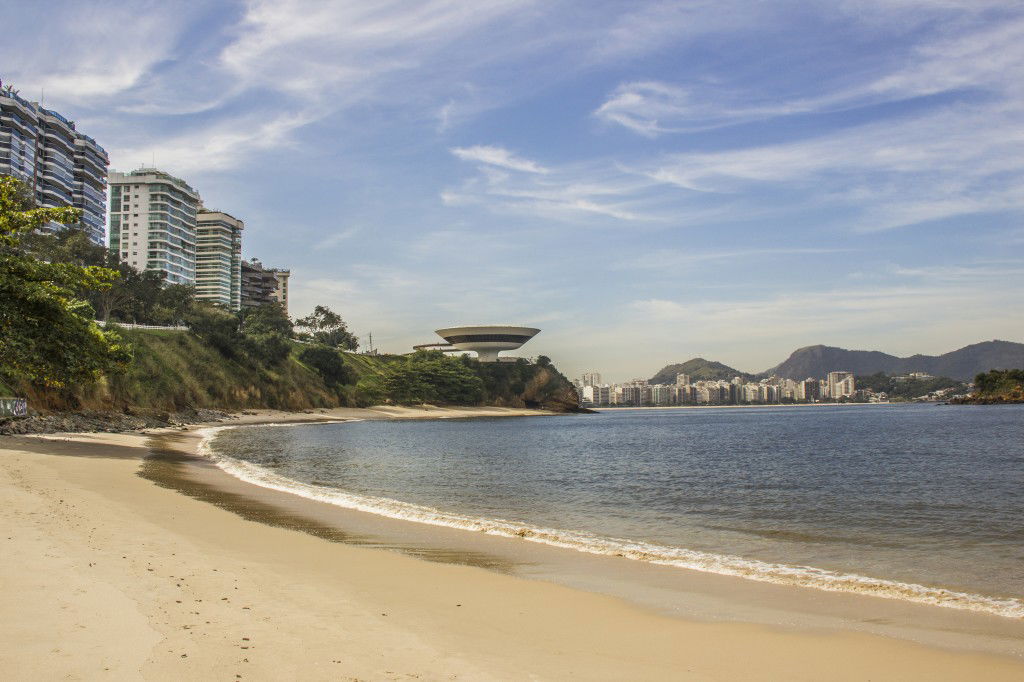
(266, 331)
(265, 319)
(326, 326)
(173, 304)
(425, 377)
(217, 327)
(47, 333)
(131, 298)
(70, 245)
(328, 363)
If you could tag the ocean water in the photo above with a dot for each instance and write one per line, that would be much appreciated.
(917, 502)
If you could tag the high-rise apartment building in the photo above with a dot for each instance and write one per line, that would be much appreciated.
(840, 385)
(153, 223)
(262, 285)
(809, 389)
(219, 258)
(62, 166)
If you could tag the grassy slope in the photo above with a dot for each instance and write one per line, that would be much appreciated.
(175, 371)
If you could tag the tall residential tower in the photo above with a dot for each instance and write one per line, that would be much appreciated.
(62, 166)
(219, 258)
(262, 285)
(153, 223)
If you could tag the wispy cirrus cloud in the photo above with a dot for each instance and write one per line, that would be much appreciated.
(498, 156)
(676, 258)
(221, 146)
(83, 56)
(953, 162)
(977, 58)
(571, 193)
(336, 238)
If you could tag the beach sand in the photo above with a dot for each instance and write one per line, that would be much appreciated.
(109, 574)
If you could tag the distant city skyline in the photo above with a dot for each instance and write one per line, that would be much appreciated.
(649, 182)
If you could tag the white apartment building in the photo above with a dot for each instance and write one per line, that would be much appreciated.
(152, 223)
(219, 258)
(840, 385)
(662, 394)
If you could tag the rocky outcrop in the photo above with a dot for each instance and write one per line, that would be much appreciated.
(105, 422)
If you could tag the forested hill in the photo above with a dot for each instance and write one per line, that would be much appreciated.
(817, 361)
(963, 364)
(697, 369)
(997, 386)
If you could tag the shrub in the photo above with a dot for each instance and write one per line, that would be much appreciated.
(328, 363)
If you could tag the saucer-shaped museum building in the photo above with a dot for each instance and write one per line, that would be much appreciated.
(487, 340)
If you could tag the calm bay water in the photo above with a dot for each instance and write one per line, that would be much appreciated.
(919, 502)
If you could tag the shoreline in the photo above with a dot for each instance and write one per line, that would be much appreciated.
(606, 408)
(86, 496)
(716, 563)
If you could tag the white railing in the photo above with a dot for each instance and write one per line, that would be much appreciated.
(132, 325)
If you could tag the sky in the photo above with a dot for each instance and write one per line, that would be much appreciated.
(645, 181)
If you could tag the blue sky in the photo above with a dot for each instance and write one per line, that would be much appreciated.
(647, 182)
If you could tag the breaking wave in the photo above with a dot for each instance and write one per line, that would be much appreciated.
(708, 562)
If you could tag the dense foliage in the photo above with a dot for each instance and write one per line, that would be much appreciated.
(1001, 385)
(906, 389)
(423, 377)
(133, 296)
(697, 369)
(324, 326)
(329, 364)
(47, 333)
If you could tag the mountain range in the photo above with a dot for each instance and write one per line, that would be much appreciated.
(817, 361)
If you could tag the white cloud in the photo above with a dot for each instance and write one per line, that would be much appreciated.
(336, 238)
(79, 54)
(217, 147)
(574, 192)
(986, 58)
(498, 156)
(674, 258)
(957, 161)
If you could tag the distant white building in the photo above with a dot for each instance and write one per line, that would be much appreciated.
(840, 385)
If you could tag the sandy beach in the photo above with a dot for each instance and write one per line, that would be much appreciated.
(118, 564)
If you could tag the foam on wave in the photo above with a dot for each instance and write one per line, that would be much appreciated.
(723, 564)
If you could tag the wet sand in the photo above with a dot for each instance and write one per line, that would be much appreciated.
(126, 557)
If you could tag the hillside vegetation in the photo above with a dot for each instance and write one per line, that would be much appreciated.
(908, 389)
(53, 285)
(998, 386)
(174, 371)
(817, 361)
(697, 369)
(962, 364)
